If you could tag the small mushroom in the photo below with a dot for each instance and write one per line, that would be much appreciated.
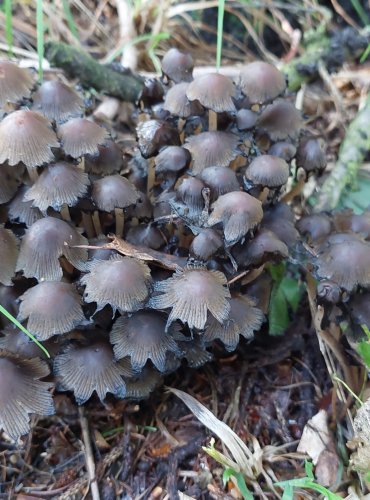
(177, 66)
(108, 161)
(143, 336)
(215, 92)
(57, 101)
(315, 226)
(90, 366)
(23, 211)
(22, 393)
(52, 308)
(147, 235)
(264, 247)
(16, 342)
(280, 220)
(280, 120)
(190, 192)
(172, 161)
(9, 183)
(210, 149)
(261, 82)
(141, 385)
(284, 150)
(80, 136)
(220, 180)
(244, 319)
(177, 103)
(8, 255)
(246, 119)
(268, 171)
(44, 243)
(15, 83)
(311, 155)
(121, 282)
(205, 244)
(191, 293)
(239, 213)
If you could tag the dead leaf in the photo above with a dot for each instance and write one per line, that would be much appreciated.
(360, 459)
(316, 436)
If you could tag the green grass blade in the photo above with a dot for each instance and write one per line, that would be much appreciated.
(69, 17)
(23, 329)
(365, 54)
(40, 35)
(361, 12)
(8, 25)
(220, 30)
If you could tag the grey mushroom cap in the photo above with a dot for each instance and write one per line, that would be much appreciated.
(8, 255)
(205, 244)
(177, 65)
(220, 180)
(172, 159)
(9, 183)
(22, 211)
(57, 101)
(214, 91)
(280, 120)
(261, 82)
(268, 171)
(15, 83)
(80, 136)
(113, 191)
(108, 161)
(311, 154)
(177, 103)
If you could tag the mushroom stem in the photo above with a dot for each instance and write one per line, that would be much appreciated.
(151, 176)
(295, 191)
(64, 212)
(96, 223)
(181, 128)
(120, 221)
(33, 175)
(81, 164)
(87, 225)
(264, 194)
(212, 120)
(67, 266)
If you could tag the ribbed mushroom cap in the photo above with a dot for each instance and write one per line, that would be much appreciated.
(43, 244)
(108, 161)
(264, 247)
(143, 336)
(8, 255)
(239, 212)
(172, 159)
(22, 393)
(17, 342)
(346, 220)
(261, 82)
(59, 184)
(26, 136)
(268, 171)
(280, 220)
(284, 150)
(311, 154)
(121, 282)
(244, 319)
(205, 244)
(153, 135)
(146, 235)
(52, 308)
(345, 260)
(246, 119)
(143, 208)
(177, 103)
(214, 91)
(140, 386)
(195, 353)
(113, 191)
(190, 294)
(178, 66)
(280, 120)
(359, 308)
(15, 82)
(90, 367)
(9, 183)
(210, 149)
(260, 291)
(315, 226)
(22, 211)
(80, 136)
(220, 180)
(190, 193)
(57, 101)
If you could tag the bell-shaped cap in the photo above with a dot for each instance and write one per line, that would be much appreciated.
(177, 103)
(264, 247)
(121, 282)
(315, 226)
(90, 366)
(51, 308)
(284, 150)
(211, 149)
(15, 83)
(57, 101)
(143, 336)
(17, 342)
(280, 120)
(268, 171)
(42, 246)
(141, 385)
(191, 293)
(177, 65)
(59, 184)
(22, 211)
(189, 191)
(172, 159)
(205, 244)
(280, 220)
(8, 255)
(9, 183)
(147, 235)
(220, 180)
(261, 82)
(27, 137)
(239, 213)
(246, 119)
(22, 393)
(345, 260)
(244, 319)
(153, 135)
(311, 154)
(80, 136)
(108, 161)
(113, 191)
(214, 91)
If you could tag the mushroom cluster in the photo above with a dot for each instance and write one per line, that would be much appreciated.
(195, 204)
